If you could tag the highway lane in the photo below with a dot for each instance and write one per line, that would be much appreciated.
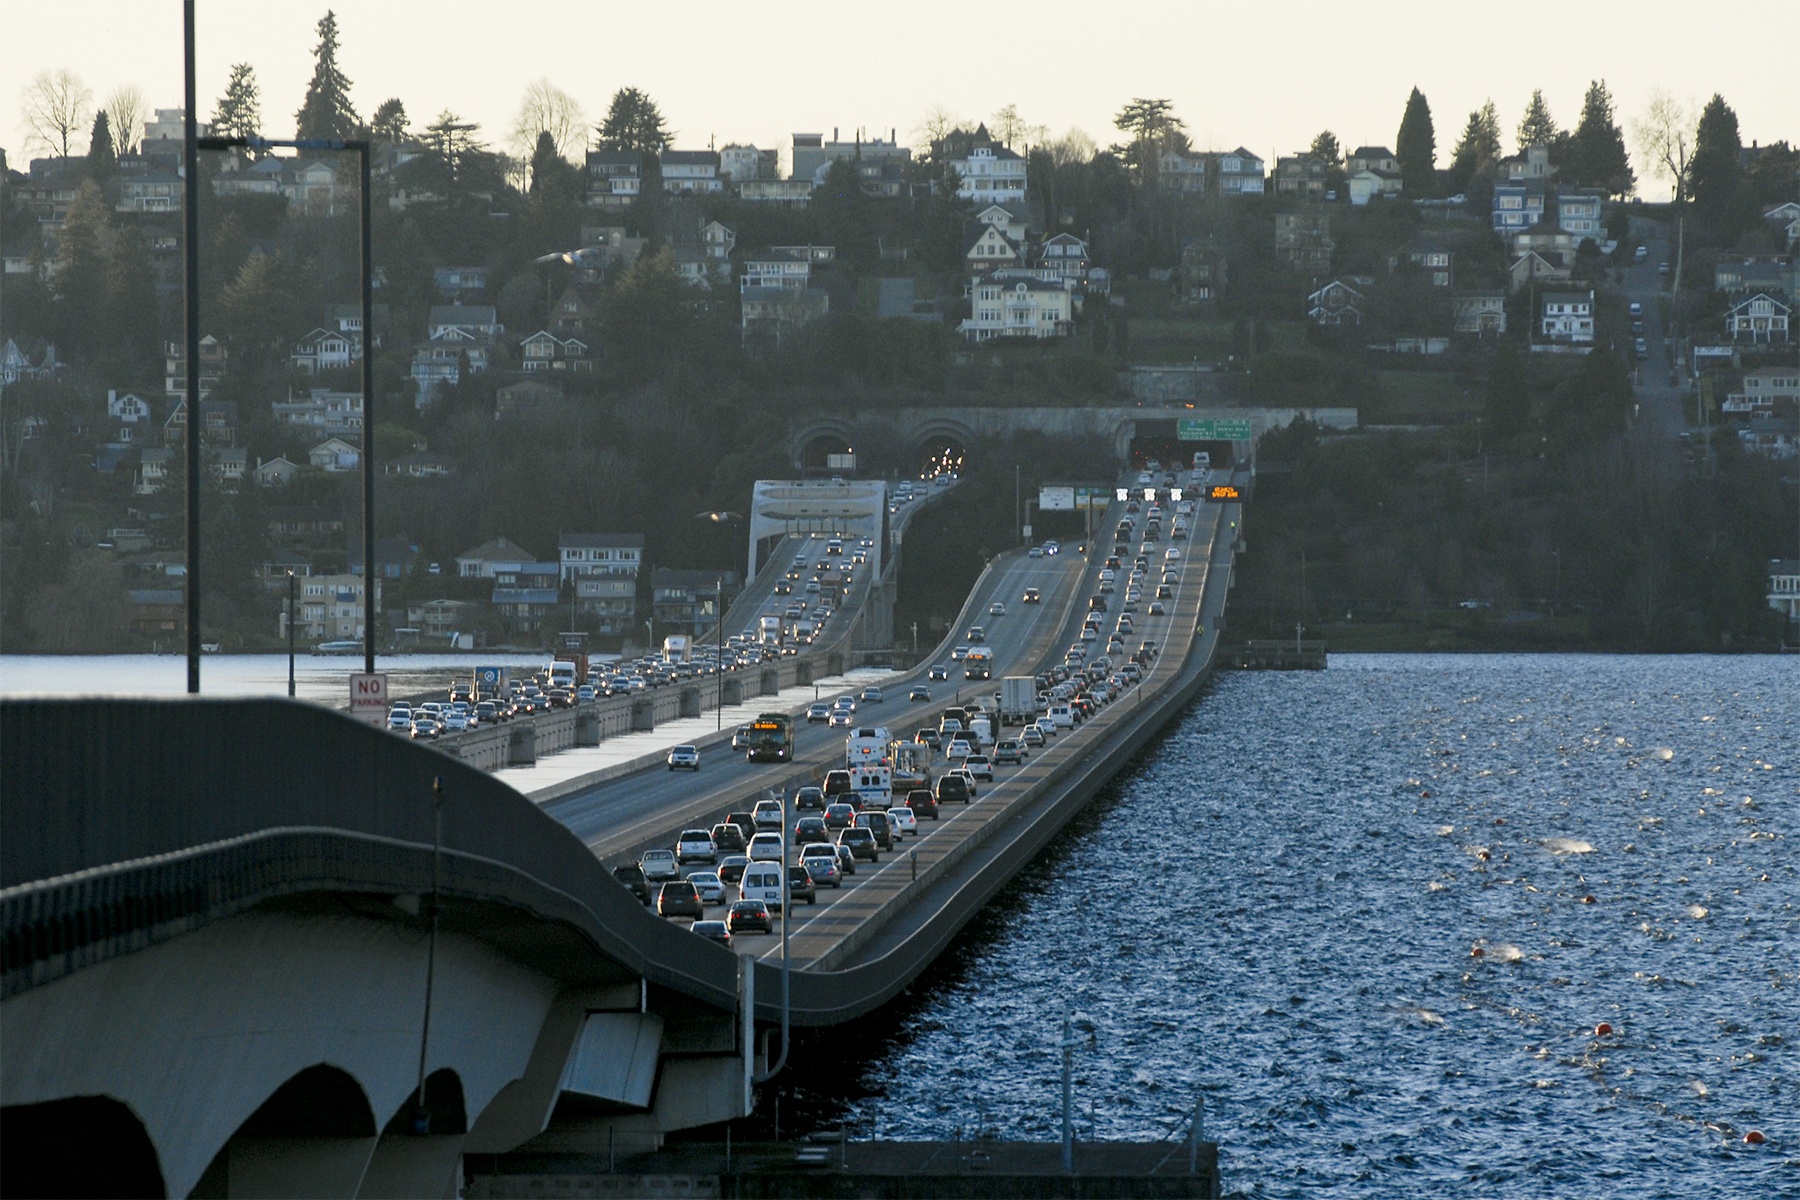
(615, 816)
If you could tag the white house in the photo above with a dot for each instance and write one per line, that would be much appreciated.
(326, 350)
(690, 172)
(480, 562)
(335, 455)
(277, 472)
(1480, 313)
(1066, 256)
(127, 409)
(1784, 587)
(589, 554)
(1239, 173)
(1370, 184)
(1024, 308)
(1011, 219)
(990, 173)
(1759, 318)
(777, 269)
(1568, 317)
(1336, 304)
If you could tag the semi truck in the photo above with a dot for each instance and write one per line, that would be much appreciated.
(677, 648)
(769, 629)
(1018, 700)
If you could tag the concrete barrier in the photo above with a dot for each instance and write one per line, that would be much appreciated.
(521, 746)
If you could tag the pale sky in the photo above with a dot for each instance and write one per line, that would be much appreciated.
(1265, 74)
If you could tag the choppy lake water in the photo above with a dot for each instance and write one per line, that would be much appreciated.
(1279, 907)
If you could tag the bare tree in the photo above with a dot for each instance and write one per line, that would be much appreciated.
(546, 108)
(1008, 125)
(126, 110)
(937, 122)
(1072, 147)
(1664, 135)
(56, 106)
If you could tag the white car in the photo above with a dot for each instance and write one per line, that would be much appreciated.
(456, 722)
(766, 814)
(958, 748)
(767, 847)
(685, 758)
(400, 718)
(980, 767)
(1172, 553)
(695, 845)
(903, 820)
(996, 609)
(709, 885)
(660, 866)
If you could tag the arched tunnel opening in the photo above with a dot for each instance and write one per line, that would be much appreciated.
(941, 455)
(827, 453)
(1159, 442)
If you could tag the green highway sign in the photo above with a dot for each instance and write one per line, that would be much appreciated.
(1208, 430)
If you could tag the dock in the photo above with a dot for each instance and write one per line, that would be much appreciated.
(1275, 655)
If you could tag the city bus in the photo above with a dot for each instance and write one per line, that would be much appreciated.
(771, 738)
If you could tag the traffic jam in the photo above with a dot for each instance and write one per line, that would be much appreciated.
(733, 880)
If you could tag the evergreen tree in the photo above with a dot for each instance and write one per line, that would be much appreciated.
(239, 113)
(1477, 150)
(1416, 148)
(81, 285)
(389, 121)
(1537, 127)
(326, 111)
(1715, 173)
(102, 161)
(1598, 156)
(1508, 409)
(1325, 147)
(553, 178)
(633, 123)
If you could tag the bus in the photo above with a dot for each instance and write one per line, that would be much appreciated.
(771, 738)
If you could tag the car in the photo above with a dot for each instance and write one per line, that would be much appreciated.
(840, 718)
(679, 898)
(1009, 751)
(871, 695)
(837, 783)
(818, 711)
(952, 787)
(767, 817)
(809, 829)
(1032, 596)
(1035, 552)
(821, 862)
(1172, 553)
(740, 741)
(922, 804)
(809, 799)
(684, 757)
(958, 748)
(1662, 268)
(860, 841)
(976, 635)
(876, 822)
(749, 916)
(959, 652)
(1637, 310)
(631, 876)
(801, 885)
(919, 692)
(731, 867)
(426, 729)
(845, 704)
(660, 866)
(714, 931)
(1033, 736)
(846, 860)
(996, 609)
(1157, 608)
(695, 845)
(766, 847)
(903, 819)
(839, 815)
(929, 737)
(967, 777)
(729, 839)
(1052, 547)
(783, 588)
(938, 674)
(400, 718)
(709, 885)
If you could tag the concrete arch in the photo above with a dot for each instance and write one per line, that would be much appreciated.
(816, 432)
(934, 435)
(313, 1136)
(79, 1146)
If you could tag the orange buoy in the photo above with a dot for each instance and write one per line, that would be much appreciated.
(1603, 1030)
(1499, 820)
(1425, 795)
(1484, 856)
(1755, 1138)
(1588, 899)
(1477, 952)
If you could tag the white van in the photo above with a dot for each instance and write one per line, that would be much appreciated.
(1063, 716)
(762, 881)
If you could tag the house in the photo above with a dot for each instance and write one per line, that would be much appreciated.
(1578, 212)
(790, 193)
(811, 155)
(1064, 256)
(523, 396)
(778, 268)
(1433, 260)
(1549, 240)
(739, 163)
(302, 521)
(1177, 172)
(1518, 204)
(1786, 220)
(326, 350)
(1237, 173)
(524, 610)
(1365, 186)
(395, 557)
(321, 409)
(1303, 176)
(1567, 318)
(1741, 273)
(770, 315)
(614, 177)
(229, 464)
(1203, 270)
(330, 609)
(604, 568)
(689, 601)
(454, 282)
(277, 472)
(476, 321)
(988, 248)
(690, 172)
(276, 567)
(156, 610)
(1533, 162)
(573, 314)
(1372, 158)
(544, 351)
(127, 408)
(154, 464)
(480, 562)
(1336, 304)
(422, 464)
(1784, 588)
(441, 618)
(1303, 241)
(604, 247)
(1759, 318)
(335, 455)
(1013, 219)
(214, 358)
(1532, 267)
(695, 267)
(150, 192)
(986, 171)
(1479, 313)
(1018, 308)
(717, 240)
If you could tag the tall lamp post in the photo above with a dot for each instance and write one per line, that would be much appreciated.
(721, 519)
(290, 625)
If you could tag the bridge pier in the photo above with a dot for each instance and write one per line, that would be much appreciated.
(414, 1168)
(770, 681)
(731, 691)
(690, 701)
(521, 745)
(803, 671)
(587, 727)
(643, 714)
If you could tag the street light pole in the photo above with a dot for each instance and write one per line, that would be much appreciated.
(719, 665)
(290, 632)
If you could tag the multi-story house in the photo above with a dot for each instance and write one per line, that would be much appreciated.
(777, 268)
(614, 177)
(1765, 392)
(1336, 304)
(1303, 241)
(544, 351)
(1203, 271)
(811, 155)
(989, 248)
(1480, 313)
(1064, 256)
(1014, 219)
(214, 358)
(789, 193)
(604, 569)
(1434, 261)
(690, 601)
(717, 240)
(326, 350)
(1784, 588)
(150, 192)
(1752, 273)
(1567, 318)
(740, 164)
(1759, 318)
(1178, 172)
(1372, 158)
(988, 172)
(321, 410)
(1303, 176)
(330, 608)
(1532, 267)
(480, 562)
(1578, 212)
(690, 172)
(1237, 173)
(457, 282)
(1518, 204)
(1018, 308)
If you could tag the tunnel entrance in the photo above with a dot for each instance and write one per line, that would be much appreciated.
(941, 456)
(827, 453)
(1157, 441)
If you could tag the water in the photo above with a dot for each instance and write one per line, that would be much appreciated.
(1278, 909)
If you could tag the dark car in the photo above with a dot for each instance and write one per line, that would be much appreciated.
(809, 799)
(839, 815)
(731, 868)
(749, 916)
(632, 876)
(680, 899)
(860, 840)
(810, 829)
(729, 838)
(745, 822)
(922, 803)
(952, 787)
(800, 886)
(714, 931)
(878, 824)
(837, 783)
(928, 737)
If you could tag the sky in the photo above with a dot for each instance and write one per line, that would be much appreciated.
(1266, 75)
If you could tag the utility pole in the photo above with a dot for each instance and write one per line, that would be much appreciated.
(290, 632)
